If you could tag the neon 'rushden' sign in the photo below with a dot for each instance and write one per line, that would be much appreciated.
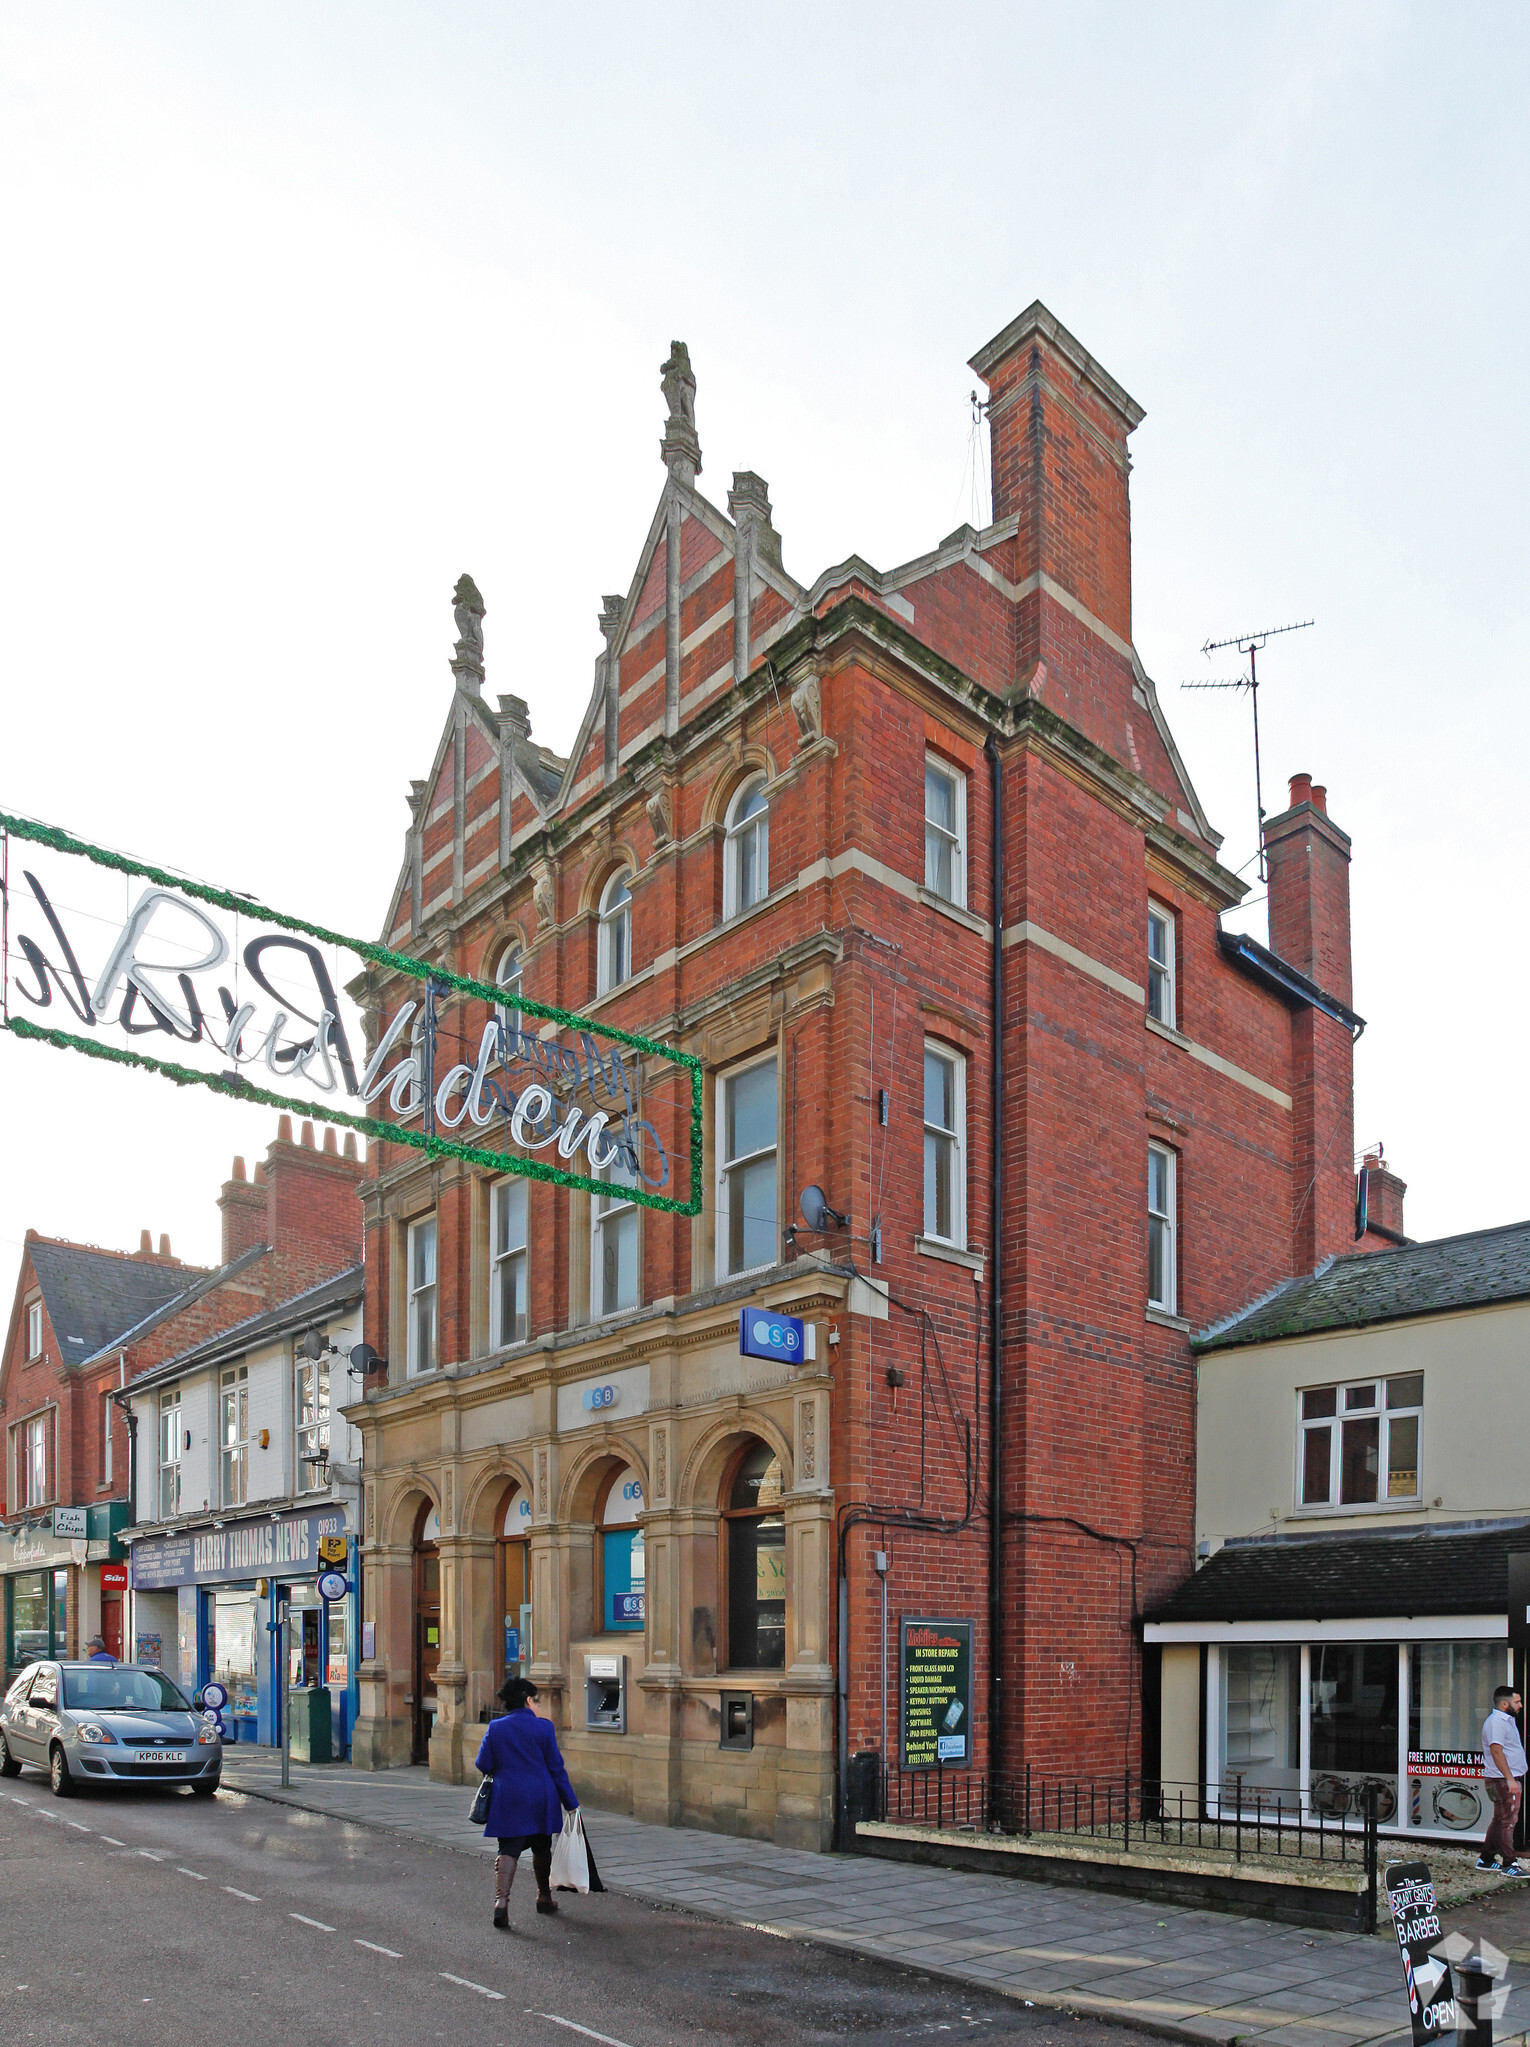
(126, 962)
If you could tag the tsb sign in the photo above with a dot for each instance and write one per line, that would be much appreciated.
(763, 1335)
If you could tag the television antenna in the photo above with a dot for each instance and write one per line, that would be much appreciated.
(1250, 644)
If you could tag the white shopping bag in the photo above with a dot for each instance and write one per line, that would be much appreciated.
(570, 1864)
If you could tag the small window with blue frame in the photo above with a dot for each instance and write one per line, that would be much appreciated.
(622, 1558)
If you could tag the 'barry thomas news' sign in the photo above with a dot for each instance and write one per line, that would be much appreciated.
(285, 1548)
(127, 963)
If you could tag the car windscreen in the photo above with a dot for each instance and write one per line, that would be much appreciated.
(120, 1688)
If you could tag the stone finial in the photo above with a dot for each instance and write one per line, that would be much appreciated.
(416, 798)
(514, 719)
(680, 447)
(749, 509)
(611, 609)
(467, 658)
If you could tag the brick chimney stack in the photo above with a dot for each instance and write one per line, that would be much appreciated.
(243, 1208)
(1058, 425)
(312, 1209)
(1307, 858)
(1384, 1193)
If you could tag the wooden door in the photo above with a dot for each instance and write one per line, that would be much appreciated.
(111, 1623)
(427, 1644)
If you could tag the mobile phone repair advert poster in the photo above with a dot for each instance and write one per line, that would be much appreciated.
(936, 1667)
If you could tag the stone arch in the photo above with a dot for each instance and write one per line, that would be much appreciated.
(397, 1518)
(581, 1482)
(700, 1484)
(751, 761)
(485, 1498)
(600, 871)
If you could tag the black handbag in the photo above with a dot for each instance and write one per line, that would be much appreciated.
(479, 1816)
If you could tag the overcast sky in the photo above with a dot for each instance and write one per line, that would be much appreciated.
(310, 309)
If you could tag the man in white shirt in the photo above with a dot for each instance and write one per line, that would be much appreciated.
(1503, 1765)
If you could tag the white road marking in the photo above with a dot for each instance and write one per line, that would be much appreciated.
(20, 1801)
(372, 1944)
(78, 1825)
(249, 1897)
(319, 1923)
(468, 1984)
(553, 2019)
(114, 1841)
(190, 1872)
(150, 1856)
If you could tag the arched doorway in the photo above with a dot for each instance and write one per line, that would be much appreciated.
(755, 1569)
(427, 1628)
(620, 1554)
(512, 1579)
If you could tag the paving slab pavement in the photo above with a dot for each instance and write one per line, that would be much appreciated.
(1181, 1970)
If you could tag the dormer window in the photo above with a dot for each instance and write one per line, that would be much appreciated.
(34, 1330)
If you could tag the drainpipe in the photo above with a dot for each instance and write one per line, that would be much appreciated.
(996, 1295)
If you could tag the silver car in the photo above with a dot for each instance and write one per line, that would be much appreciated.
(106, 1723)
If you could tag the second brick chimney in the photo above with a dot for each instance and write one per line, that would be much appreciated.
(243, 1208)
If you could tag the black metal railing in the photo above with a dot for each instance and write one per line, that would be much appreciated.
(1134, 1812)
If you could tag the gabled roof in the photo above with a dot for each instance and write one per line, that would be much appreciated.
(1481, 1269)
(1381, 1575)
(93, 1297)
(201, 1283)
(285, 1319)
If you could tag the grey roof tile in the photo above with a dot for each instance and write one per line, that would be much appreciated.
(93, 1297)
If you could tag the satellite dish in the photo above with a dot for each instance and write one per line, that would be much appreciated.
(362, 1357)
(816, 1212)
(312, 1345)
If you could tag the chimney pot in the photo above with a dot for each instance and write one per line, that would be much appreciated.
(329, 1143)
(260, 1172)
(239, 1169)
(307, 1136)
(1301, 789)
(145, 1244)
(350, 1144)
(284, 1130)
(164, 1244)
(1320, 798)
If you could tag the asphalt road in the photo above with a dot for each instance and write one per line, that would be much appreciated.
(141, 1916)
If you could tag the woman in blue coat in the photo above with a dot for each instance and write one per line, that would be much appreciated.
(530, 1796)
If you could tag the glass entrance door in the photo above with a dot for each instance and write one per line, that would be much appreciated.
(427, 1630)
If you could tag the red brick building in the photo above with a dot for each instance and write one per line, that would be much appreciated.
(86, 1322)
(910, 860)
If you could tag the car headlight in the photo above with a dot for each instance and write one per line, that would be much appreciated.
(93, 1731)
(206, 1733)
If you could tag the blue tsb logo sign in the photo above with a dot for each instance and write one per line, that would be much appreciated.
(763, 1335)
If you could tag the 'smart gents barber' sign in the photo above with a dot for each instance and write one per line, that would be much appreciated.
(1426, 1976)
(122, 961)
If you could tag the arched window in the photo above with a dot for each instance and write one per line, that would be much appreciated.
(614, 1242)
(515, 1584)
(508, 975)
(623, 1559)
(746, 849)
(615, 933)
(755, 1534)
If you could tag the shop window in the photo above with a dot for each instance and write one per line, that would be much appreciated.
(1354, 1727)
(1262, 1724)
(1450, 1694)
(35, 1460)
(614, 1242)
(169, 1453)
(507, 1276)
(755, 1537)
(234, 1434)
(746, 849)
(945, 1145)
(236, 1638)
(507, 975)
(623, 1555)
(1161, 992)
(1163, 1285)
(34, 1330)
(422, 1297)
(615, 963)
(29, 1616)
(945, 831)
(746, 1226)
(1360, 1442)
(311, 1408)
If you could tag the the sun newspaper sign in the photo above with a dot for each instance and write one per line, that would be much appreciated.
(126, 962)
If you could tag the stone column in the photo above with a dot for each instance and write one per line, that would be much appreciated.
(381, 1738)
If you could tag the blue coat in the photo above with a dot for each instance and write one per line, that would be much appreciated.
(531, 1787)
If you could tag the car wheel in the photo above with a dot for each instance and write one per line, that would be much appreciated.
(205, 1788)
(9, 1767)
(59, 1779)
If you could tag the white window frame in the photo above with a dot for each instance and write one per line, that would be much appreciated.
(1163, 990)
(234, 1435)
(515, 1251)
(614, 966)
(169, 1404)
(737, 828)
(1168, 1221)
(601, 1219)
(726, 1166)
(106, 1435)
(309, 1438)
(957, 1138)
(416, 1295)
(1382, 1410)
(508, 975)
(34, 1329)
(937, 764)
(34, 1452)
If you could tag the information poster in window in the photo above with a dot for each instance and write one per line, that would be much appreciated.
(935, 1667)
